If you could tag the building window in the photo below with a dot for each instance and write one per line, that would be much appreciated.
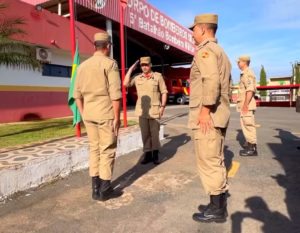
(185, 83)
(57, 71)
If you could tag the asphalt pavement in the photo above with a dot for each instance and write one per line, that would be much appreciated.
(264, 190)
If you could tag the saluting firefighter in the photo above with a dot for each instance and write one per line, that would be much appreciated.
(97, 93)
(246, 105)
(152, 98)
(209, 115)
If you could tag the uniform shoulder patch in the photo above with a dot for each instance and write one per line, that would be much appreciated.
(115, 66)
(205, 55)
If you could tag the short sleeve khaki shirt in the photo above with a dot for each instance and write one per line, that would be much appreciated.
(210, 76)
(149, 91)
(98, 83)
(247, 83)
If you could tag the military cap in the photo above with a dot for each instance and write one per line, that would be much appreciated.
(100, 36)
(243, 58)
(204, 18)
(145, 60)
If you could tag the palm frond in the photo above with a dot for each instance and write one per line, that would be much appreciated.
(4, 6)
(12, 31)
(13, 52)
(12, 22)
(10, 45)
(18, 60)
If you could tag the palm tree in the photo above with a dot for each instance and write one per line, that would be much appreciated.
(15, 53)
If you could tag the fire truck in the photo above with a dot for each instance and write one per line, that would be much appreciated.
(178, 85)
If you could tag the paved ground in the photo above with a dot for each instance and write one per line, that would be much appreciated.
(264, 192)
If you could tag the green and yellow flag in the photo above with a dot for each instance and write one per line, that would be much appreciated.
(71, 100)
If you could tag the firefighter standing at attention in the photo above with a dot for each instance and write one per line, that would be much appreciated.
(209, 115)
(97, 93)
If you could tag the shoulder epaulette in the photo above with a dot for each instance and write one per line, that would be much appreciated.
(200, 46)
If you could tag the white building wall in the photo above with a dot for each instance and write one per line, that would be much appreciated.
(23, 77)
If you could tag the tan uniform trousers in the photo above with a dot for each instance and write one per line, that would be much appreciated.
(209, 150)
(103, 144)
(248, 127)
(150, 134)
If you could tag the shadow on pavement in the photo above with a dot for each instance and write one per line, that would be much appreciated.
(167, 152)
(274, 222)
(228, 154)
(240, 137)
(288, 156)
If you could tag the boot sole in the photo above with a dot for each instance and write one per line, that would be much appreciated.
(249, 155)
(211, 220)
(202, 211)
(95, 198)
(112, 196)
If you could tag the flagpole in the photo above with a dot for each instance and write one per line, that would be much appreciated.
(123, 4)
(73, 47)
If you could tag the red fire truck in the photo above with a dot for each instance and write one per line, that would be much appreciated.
(178, 85)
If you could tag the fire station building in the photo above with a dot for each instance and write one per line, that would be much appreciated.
(148, 32)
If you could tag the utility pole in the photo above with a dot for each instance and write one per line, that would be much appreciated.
(292, 82)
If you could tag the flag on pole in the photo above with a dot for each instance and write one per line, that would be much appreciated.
(71, 100)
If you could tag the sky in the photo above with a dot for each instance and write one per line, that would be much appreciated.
(267, 30)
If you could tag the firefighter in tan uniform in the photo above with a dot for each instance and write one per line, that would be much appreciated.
(97, 93)
(151, 88)
(209, 115)
(246, 105)
(231, 85)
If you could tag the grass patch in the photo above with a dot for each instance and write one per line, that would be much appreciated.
(35, 131)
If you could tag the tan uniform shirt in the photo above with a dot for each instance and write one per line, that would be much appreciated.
(247, 83)
(230, 88)
(149, 92)
(98, 83)
(210, 77)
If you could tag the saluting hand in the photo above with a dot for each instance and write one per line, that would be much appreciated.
(205, 123)
(117, 124)
(134, 66)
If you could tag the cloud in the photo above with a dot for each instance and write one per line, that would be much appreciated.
(280, 14)
(238, 27)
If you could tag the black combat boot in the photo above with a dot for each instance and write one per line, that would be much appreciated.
(107, 192)
(96, 183)
(147, 158)
(252, 151)
(246, 148)
(155, 157)
(203, 208)
(216, 212)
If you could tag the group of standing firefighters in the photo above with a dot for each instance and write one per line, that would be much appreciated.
(98, 93)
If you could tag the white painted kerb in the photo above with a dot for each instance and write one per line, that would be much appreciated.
(40, 171)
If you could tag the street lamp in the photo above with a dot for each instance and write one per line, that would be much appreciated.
(292, 81)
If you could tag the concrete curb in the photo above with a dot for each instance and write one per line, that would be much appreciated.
(36, 172)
